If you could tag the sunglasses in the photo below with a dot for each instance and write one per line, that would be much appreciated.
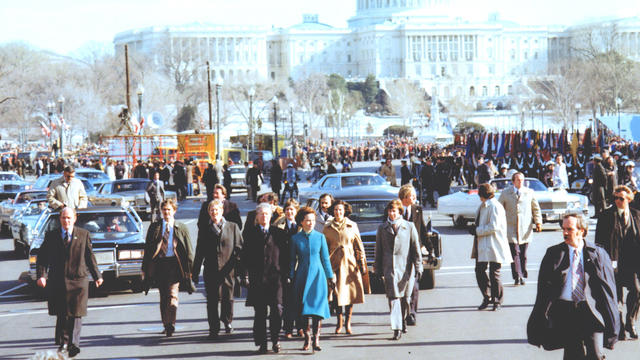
(618, 198)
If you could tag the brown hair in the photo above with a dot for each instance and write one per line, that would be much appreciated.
(394, 204)
(303, 212)
(581, 222)
(291, 202)
(269, 197)
(169, 202)
(624, 189)
(221, 187)
(347, 207)
(486, 191)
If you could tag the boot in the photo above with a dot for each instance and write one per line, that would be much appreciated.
(348, 319)
(339, 324)
(316, 340)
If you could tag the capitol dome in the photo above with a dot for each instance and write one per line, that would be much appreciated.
(371, 12)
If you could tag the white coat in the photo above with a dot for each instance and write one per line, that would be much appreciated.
(522, 213)
(491, 243)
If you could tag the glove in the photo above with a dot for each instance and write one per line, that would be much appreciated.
(195, 278)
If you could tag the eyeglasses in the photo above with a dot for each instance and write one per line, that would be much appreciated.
(619, 198)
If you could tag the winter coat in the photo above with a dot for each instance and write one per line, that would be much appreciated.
(522, 211)
(491, 244)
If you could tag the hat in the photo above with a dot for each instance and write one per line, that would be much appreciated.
(504, 166)
(624, 157)
(630, 163)
(290, 165)
(550, 163)
(617, 153)
(597, 157)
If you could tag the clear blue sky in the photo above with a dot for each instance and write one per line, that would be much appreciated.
(66, 25)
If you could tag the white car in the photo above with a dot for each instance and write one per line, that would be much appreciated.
(554, 202)
(238, 174)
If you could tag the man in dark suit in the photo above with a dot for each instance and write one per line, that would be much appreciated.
(230, 209)
(254, 178)
(405, 173)
(140, 171)
(599, 185)
(427, 177)
(167, 261)
(155, 196)
(64, 262)
(265, 259)
(576, 304)
(210, 179)
(180, 179)
(618, 231)
(413, 213)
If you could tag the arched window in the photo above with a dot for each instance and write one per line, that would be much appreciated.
(472, 91)
(496, 91)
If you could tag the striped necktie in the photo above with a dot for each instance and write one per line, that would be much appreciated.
(165, 242)
(577, 277)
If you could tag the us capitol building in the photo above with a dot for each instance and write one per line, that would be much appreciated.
(412, 39)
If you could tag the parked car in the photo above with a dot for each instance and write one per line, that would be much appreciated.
(22, 222)
(335, 183)
(11, 184)
(117, 238)
(462, 206)
(127, 192)
(95, 177)
(9, 206)
(238, 175)
(368, 205)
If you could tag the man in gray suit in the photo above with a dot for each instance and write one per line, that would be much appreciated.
(523, 212)
(155, 196)
(67, 191)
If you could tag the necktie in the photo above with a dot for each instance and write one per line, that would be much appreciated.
(406, 214)
(67, 238)
(577, 276)
(325, 216)
(165, 241)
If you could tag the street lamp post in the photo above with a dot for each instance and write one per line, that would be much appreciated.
(577, 123)
(50, 107)
(532, 125)
(140, 91)
(293, 138)
(618, 103)
(209, 95)
(219, 83)
(251, 93)
(61, 115)
(542, 112)
(275, 126)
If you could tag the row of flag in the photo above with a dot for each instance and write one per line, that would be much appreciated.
(55, 123)
(503, 144)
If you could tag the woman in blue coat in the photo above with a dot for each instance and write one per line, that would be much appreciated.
(309, 251)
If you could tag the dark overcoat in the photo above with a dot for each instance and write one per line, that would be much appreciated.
(609, 236)
(220, 257)
(600, 293)
(230, 212)
(265, 258)
(67, 271)
(183, 251)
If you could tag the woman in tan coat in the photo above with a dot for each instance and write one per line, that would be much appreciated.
(348, 261)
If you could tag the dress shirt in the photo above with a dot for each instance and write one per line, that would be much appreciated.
(567, 290)
(64, 235)
(290, 224)
(170, 252)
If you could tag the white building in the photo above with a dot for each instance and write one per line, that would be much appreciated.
(412, 39)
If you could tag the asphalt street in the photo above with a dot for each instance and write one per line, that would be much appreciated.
(124, 325)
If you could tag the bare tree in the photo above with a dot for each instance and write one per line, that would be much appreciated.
(311, 94)
(405, 98)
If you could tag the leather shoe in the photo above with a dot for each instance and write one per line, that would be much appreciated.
(397, 334)
(212, 336)
(521, 281)
(411, 320)
(73, 350)
(63, 347)
(262, 349)
(228, 329)
(516, 282)
(276, 348)
(484, 305)
(632, 330)
(169, 330)
(496, 306)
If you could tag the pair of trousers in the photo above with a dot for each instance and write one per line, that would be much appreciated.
(398, 308)
(168, 279)
(415, 295)
(274, 313)
(633, 299)
(68, 329)
(519, 264)
(190, 189)
(582, 338)
(490, 286)
(218, 293)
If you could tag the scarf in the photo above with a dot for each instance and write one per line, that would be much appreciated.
(217, 228)
(339, 225)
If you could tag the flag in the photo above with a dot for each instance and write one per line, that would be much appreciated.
(500, 148)
(45, 130)
(485, 143)
(574, 145)
(141, 122)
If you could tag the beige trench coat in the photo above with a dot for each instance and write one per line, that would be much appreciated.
(398, 258)
(389, 173)
(491, 243)
(522, 213)
(70, 194)
(348, 261)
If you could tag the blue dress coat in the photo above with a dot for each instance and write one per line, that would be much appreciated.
(310, 253)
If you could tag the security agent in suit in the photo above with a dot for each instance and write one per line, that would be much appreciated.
(230, 209)
(618, 232)
(413, 213)
(576, 303)
(167, 262)
(219, 246)
(67, 191)
(155, 196)
(599, 186)
(266, 263)
(64, 261)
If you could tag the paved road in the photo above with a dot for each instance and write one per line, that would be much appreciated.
(126, 325)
